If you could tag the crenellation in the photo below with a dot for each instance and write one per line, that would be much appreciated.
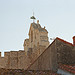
(3, 62)
(13, 59)
(6, 54)
(13, 53)
(21, 53)
(21, 57)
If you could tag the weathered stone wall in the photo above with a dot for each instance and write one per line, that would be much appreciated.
(47, 60)
(34, 53)
(13, 59)
(21, 59)
(26, 45)
(64, 52)
(38, 36)
(43, 39)
(73, 55)
(38, 59)
(3, 62)
(7, 57)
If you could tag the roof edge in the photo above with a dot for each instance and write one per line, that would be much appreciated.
(64, 41)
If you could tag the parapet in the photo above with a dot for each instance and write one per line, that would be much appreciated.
(21, 53)
(13, 53)
(6, 54)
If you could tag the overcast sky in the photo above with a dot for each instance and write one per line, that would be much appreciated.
(58, 16)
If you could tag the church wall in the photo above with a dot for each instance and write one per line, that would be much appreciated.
(26, 45)
(31, 36)
(36, 38)
(3, 62)
(44, 39)
(64, 52)
(21, 59)
(47, 60)
(41, 48)
(7, 56)
(13, 59)
(73, 55)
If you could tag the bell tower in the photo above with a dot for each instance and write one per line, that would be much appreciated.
(38, 37)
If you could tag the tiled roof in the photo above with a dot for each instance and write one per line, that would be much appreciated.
(68, 68)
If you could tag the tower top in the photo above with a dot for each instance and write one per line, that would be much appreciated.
(33, 18)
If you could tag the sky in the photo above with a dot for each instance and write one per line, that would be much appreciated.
(58, 16)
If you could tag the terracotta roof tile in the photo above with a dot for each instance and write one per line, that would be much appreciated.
(68, 68)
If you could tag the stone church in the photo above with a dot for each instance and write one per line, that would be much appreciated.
(33, 47)
(38, 53)
(38, 38)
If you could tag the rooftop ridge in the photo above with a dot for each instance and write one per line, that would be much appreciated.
(65, 41)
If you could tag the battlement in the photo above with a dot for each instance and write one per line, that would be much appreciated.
(6, 54)
(21, 53)
(13, 53)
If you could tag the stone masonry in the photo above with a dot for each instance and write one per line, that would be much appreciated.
(33, 47)
(38, 54)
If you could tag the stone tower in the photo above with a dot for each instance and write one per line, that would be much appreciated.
(38, 37)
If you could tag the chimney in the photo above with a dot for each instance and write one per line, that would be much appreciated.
(74, 40)
(37, 21)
